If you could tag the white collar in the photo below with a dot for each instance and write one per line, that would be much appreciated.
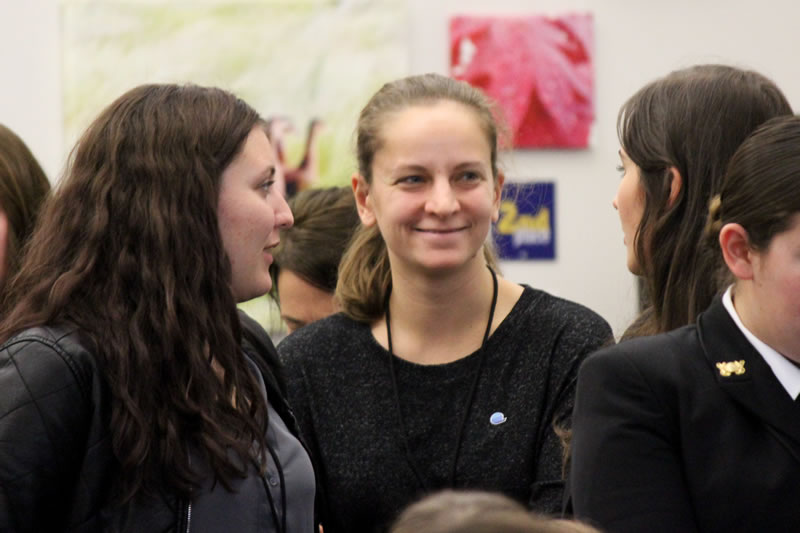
(786, 371)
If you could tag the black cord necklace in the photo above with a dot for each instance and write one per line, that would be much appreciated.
(470, 398)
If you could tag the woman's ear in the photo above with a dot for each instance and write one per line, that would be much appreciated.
(675, 186)
(736, 250)
(499, 180)
(363, 200)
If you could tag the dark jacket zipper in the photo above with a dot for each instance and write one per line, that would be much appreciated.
(184, 518)
(188, 517)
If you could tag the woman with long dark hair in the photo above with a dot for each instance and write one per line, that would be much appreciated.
(135, 396)
(676, 137)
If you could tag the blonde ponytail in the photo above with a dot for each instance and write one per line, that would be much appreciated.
(364, 276)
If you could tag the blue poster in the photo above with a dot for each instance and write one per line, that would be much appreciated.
(526, 228)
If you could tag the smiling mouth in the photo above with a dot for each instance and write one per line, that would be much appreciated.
(440, 231)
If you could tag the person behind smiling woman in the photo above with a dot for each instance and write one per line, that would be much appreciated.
(307, 259)
(698, 429)
(439, 373)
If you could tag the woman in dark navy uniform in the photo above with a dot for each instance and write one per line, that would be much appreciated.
(698, 429)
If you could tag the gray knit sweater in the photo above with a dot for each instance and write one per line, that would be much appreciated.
(340, 389)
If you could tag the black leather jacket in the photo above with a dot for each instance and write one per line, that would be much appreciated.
(56, 462)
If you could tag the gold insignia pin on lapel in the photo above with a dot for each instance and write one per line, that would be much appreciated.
(731, 367)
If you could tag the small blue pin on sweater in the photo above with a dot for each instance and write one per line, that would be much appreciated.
(497, 418)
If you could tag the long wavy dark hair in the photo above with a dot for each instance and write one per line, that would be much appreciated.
(693, 119)
(128, 250)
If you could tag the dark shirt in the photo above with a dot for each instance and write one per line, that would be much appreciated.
(340, 389)
(213, 509)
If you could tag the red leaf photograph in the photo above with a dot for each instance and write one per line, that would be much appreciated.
(537, 68)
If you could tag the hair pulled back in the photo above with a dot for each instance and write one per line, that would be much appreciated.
(761, 190)
(365, 273)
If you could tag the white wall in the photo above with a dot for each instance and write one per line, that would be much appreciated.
(30, 90)
(635, 41)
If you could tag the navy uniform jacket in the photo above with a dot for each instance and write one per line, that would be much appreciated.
(665, 440)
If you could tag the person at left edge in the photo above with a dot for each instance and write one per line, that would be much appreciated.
(23, 189)
(134, 396)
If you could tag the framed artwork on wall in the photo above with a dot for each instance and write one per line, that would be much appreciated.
(538, 69)
(526, 228)
(307, 66)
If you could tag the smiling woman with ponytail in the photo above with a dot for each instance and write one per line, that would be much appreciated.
(439, 372)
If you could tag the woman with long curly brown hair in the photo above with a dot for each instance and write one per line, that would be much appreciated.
(134, 396)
